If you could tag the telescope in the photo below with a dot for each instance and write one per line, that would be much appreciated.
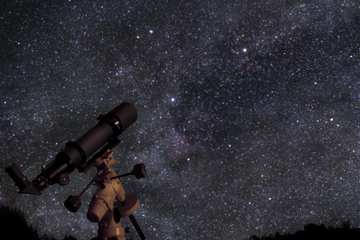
(75, 154)
(102, 208)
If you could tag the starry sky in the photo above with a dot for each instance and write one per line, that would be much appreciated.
(248, 111)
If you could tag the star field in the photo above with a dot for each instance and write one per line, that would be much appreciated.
(248, 111)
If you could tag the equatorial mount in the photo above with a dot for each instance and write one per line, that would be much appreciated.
(102, 209)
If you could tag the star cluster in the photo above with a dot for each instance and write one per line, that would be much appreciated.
(248, 111)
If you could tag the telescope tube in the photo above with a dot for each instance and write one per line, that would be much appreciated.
(76, 153)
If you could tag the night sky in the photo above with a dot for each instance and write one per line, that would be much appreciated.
(248, 111)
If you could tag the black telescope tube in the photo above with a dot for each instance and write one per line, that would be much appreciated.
(76, 153)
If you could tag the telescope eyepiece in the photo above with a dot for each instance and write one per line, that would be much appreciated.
(17, 176)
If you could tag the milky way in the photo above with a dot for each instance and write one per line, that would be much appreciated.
(248, 111)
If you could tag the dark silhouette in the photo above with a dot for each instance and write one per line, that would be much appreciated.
(315, 232)
(69, 238)
(13, 225)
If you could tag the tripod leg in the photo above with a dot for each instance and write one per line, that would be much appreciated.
(136, 225)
